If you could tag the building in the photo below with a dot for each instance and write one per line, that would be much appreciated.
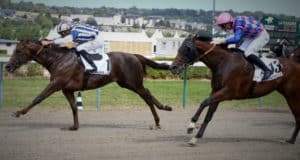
(165, 46)
(8, 45)
(77, 17)
(138, 42)
(135, 43)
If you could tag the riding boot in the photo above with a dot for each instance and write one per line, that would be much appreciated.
(258, 62)
(89, 60)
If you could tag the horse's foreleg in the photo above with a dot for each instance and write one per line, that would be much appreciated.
(213, 100)
(195, 118)
(211, 110)
(50, 89)
(71, 99)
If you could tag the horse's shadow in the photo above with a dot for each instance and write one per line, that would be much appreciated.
(58, 125)
(185, 138)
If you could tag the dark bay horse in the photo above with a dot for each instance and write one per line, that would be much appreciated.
(232, 79)
(281, 49)
(67, 74)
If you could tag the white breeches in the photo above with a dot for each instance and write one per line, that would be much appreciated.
(94, 46)
(253, 45)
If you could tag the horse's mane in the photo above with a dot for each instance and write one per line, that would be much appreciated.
(203, 37)
(58, 49)
(208, 38)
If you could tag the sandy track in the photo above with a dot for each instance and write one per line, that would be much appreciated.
(124, 134)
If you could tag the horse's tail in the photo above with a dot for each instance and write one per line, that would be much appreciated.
(151, 63)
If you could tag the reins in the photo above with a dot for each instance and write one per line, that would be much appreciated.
(208, 51)
(40, 50)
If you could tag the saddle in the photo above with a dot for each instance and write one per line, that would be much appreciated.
(272, 63)
(101, 61)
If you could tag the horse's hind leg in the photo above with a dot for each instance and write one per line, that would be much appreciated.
(159, 105)
(71, 99)
(148, 98)
(294, 105)
(146, 95)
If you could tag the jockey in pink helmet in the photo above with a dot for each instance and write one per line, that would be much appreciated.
(253, 34)
(224, 18)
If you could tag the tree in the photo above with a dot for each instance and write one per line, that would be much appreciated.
(43, 21)
(7, 30)
(91, 21)
(5, 3)
(28, 31)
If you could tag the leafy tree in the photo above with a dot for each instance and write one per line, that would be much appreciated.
(7, 30)
(43, 21)
(91, 21)
(5, 3)
(28, 31)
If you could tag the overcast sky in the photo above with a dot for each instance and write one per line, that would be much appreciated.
(288, 7)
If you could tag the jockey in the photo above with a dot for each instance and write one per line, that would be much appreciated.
(85, 37)
(256, 37)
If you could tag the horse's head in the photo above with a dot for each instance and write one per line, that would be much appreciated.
(25, 51)
(190, 51)
(280, 48)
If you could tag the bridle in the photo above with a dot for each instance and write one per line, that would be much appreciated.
(192, 57)
(208, 51)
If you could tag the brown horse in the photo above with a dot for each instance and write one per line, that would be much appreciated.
(67, 74)
(232, 79)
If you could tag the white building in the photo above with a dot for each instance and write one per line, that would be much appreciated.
(131, 42)
(109, 21)
(138, 42)
(167, 47)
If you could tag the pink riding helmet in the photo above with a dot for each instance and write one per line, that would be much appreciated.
(224, 18)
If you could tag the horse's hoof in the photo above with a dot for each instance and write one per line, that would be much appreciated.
(15, 114)
(168, 108)
(193, 142)
(72, 128)
(151, 127)
(290, 141)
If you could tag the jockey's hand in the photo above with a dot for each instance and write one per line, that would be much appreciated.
(46, 43)
(218, 41)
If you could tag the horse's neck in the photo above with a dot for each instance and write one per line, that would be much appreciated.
(215, 58)
(51, 58)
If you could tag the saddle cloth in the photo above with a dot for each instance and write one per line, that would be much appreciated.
(273, 64)
(102, 62)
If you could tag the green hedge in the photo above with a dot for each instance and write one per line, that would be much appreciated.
(35, 70)
(192, 73)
